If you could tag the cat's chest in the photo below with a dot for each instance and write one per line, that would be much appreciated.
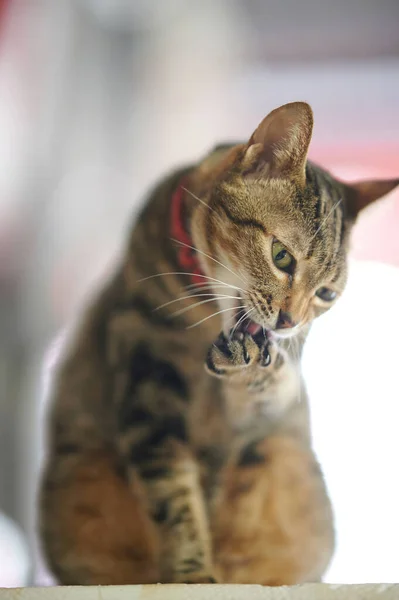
(255, 409)
(218, 434)
(221, 415)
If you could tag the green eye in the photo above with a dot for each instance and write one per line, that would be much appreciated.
(326, 294)
(281, 257)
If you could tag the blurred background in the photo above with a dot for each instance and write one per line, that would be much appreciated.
(98, 98)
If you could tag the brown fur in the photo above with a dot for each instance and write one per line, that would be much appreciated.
(159, 470)
(97, 530)
(270, 522)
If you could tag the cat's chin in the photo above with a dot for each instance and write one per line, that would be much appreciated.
(284, 334)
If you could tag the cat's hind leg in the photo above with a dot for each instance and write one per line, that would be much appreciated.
(95, 530)
(272, 524)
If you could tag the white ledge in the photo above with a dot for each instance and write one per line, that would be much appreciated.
(315, 591)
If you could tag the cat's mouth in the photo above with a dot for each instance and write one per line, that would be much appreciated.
(244, 324)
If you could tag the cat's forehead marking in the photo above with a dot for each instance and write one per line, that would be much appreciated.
(270, 203)
(310, 221)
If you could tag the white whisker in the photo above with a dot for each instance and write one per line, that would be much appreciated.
(205, 284)
(199, 199)
(187, 308)
(298, 369)
(214, 296)
(327, 217)
(208, 256)
(214, 315)
(234, 316)
(178, 273)
(244, 316)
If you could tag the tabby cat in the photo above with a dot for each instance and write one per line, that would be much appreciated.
(161, 470)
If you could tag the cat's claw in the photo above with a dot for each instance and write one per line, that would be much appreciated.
(265, 357)
(230, 354)
(264, 349)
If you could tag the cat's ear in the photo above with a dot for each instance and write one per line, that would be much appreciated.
(363, 193)
(279, 146)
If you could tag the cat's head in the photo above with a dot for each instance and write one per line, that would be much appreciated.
(279, 225)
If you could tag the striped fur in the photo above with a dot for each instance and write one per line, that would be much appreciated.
(161, 470)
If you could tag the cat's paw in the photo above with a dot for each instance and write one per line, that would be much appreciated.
(267, 350)
(230, 354)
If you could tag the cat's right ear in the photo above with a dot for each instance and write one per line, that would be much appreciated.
(279, 146)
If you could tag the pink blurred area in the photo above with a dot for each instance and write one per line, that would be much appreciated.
(375, 236)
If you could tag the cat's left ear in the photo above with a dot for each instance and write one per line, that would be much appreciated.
(363, 193)
(278, 148)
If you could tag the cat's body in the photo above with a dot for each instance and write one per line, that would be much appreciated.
(159, 470)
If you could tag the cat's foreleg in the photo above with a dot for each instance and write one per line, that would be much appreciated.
(153, 442)
(260, 377)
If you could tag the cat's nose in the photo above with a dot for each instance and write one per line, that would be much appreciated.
(285, 320)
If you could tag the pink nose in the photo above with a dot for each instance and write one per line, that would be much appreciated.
(285, 320)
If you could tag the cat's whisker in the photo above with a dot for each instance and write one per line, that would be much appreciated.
(199, 287)
(178, 273)
(220, 292)
(209, 287)
(202, 283)
(293, 348)
(233, 317)
(215, 296)
(296, 344)
(241, 319)
(299, 376)
(326, 218)
(215, 292)
(214, 315)
(210, 258)
(248, 313)
(193, 286)
(187, 308)
(199, 199)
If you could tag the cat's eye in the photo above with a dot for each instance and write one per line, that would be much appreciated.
(325, 294)
(281, 257)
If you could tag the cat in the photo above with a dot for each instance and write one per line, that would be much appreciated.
(161, 470)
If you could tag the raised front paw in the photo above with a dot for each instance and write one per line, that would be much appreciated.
(231, 354)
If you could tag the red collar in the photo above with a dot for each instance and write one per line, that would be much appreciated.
(187, 257)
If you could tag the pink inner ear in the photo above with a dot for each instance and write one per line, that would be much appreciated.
(375, 235)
